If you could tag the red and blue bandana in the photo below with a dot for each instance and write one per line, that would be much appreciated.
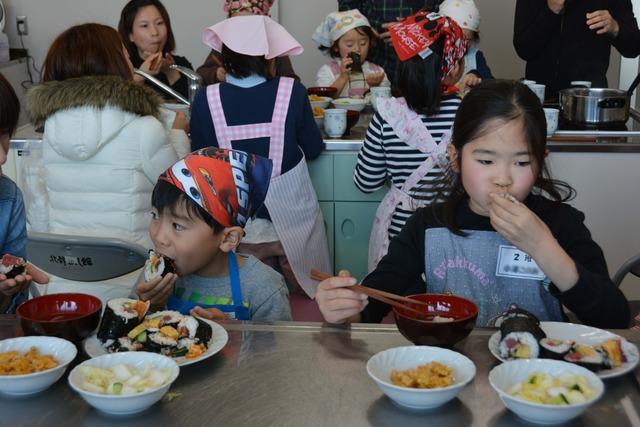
(229, 184)
(417, 33)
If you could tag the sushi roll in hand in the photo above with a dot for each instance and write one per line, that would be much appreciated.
(11, 266)
(158, 265)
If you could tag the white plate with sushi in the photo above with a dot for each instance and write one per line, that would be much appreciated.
(581, 334)
(219, 337)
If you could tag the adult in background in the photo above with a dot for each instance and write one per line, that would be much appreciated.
(382, 14)
(213, 69)
(566, 40)
(145, 29)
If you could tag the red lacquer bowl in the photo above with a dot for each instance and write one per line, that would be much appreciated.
(323, 91)
(425, 331)
(71, 316)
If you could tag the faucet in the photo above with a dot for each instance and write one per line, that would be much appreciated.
(195, 81)
(164, 87)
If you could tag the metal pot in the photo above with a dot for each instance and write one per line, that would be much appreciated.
(583, 106)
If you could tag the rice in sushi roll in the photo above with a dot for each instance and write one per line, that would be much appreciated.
(585, 356)
(120, 316)
(158, 265)
(613, 354)
(519, 338)
(11, 266)
(554, 349)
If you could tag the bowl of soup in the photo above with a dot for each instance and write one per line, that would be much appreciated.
(72, 316)
(447, 319)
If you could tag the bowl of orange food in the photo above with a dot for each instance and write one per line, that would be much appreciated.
(319, 101)
(29, 365)
(420, 377)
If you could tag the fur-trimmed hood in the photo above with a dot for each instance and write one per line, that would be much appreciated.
(48, 98)
(81, 115)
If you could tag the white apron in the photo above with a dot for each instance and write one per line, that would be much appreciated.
(291, 199)
(408, 126)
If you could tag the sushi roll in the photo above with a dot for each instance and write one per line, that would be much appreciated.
(519, 338)
(612, 352)
(120, 316)
(11, 266)
(513, 311)
(203, 333)
(165, 341)
(158, 265)
(165, 318)
(554, 349)
(585, 356)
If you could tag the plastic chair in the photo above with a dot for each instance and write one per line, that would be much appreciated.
(632, 265)
(85, 259)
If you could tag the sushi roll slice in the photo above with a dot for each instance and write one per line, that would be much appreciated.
(158, 265)
(519, 338)
(162, 342)
(513, 311)
(187, 327)
(612, 352)
(203, 333)
(11, 266)
(554, 349)
(165, 318)
(120, 316)
(585, 356)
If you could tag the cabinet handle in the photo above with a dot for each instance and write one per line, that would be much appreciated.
(348, 228)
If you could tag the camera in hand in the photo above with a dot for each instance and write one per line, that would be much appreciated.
(356, 66)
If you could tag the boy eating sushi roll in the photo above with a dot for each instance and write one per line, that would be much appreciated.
(15, 275)
(200, 206)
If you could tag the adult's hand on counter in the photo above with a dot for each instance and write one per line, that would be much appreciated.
(602, 22)
(556, 6)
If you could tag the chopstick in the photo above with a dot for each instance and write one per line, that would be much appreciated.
(386, 297)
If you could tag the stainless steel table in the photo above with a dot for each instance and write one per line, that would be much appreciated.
(308, 374)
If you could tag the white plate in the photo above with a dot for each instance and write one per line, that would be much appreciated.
(219, 337)
(581, 334)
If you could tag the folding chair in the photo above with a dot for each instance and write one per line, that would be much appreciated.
(82, 258)
(632, 265)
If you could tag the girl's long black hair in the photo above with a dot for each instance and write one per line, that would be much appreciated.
(499, 100)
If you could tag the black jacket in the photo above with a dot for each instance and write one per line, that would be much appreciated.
(594, 299)
(561, 48)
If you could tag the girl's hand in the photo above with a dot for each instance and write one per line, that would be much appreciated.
(345, 66)
(152, 64)
(374, 79)
(513, 220)
(208, 313)
(603, 22)
(167, 61)
(336, 302)
(157, 290)
(10, 287)
(470, 80)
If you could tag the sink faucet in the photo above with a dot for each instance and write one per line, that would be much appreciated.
(164, 87)
(195, 81)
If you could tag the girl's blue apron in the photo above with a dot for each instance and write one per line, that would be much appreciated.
(241, 312)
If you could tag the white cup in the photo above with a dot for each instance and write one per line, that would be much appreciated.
(551, 114)
(538, 89)
(581, 83)
(378, 92)
(335, 122)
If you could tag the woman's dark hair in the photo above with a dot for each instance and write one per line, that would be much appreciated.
(9, 107)
(334, 50)
(128, 16)
(418, 80)
(86, 50)
(504, 100)
(240, 65)
(166, 196)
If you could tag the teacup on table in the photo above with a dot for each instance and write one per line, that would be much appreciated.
(538, 89)
(335, 122)
(379, 92)
(551, 114)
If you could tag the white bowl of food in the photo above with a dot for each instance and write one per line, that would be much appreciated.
(319, 101)
(124, 383)
(29, 365)
(446, 371)
(545, 391)
(356, 104)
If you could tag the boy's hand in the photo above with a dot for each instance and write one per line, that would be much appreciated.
(10, 287)
(208, 313)
(470, 80)
(374, 79)
(157, 290)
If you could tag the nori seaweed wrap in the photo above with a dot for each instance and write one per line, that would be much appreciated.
(203, 333)
(120, 316)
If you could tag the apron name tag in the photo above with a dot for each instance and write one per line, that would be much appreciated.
(512, 262)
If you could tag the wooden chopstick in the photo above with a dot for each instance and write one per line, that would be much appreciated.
(386, 297)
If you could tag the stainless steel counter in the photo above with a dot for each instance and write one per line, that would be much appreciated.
(293, 374)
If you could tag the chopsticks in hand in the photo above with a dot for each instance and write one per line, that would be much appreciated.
(386, 297)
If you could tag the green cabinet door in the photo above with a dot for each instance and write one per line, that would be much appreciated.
(329, 221)
(353, 221)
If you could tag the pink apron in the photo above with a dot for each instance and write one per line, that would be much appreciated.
(408, 126)
(291, 199)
